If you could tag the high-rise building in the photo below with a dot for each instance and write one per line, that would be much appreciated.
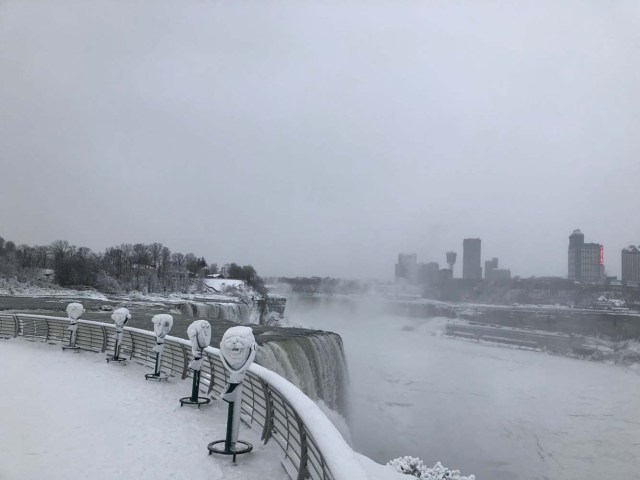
(492, 272)
(631, 264)
(490, 265)
(407, 267)
(428, 273)
(592, 263)
(576, 241)
(471, 266)
(586, 260)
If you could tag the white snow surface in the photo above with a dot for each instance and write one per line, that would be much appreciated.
(221, 284)
(136, 429)
(11, 287)
(72, 415)
(17, 289)
(174, 297)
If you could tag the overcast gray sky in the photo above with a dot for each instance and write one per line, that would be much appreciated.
(322, 137)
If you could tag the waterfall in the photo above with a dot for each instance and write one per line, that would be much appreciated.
(237, 312)
(234, 312)
(315, 363)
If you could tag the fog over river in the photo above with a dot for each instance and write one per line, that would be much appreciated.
(498, 412)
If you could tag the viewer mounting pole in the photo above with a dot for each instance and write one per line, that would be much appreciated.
(199, 333)
(237, 351)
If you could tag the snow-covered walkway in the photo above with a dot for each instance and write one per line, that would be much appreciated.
(71, 415)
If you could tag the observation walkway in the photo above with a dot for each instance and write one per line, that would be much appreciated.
(75, 416)
(67, 416)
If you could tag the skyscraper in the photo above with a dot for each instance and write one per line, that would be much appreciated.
(576, 241)
(586, 260)
(631, 264)
(492, 272)
(407, 267)
(471, 263)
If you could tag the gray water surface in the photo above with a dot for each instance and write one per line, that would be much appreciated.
(500, 413)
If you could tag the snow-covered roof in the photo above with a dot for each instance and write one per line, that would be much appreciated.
(221, 284)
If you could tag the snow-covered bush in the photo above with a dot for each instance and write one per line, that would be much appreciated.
(415, 467)
(107, 284)
(408, 465)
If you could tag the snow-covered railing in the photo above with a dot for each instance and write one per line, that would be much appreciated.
(312, 446)
(9, 326)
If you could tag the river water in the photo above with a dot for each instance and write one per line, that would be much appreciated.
(498, 412)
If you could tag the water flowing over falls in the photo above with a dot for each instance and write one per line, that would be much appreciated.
(312, 360)
(247, 311)
(315, 363)
(233, 312)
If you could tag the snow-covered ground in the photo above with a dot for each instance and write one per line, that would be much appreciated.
(499, 413)
(17, 289)
(67, 415)
(71, 416)
(221, 284)
(174, 297)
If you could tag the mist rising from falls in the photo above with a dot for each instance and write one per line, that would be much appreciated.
(314, 363)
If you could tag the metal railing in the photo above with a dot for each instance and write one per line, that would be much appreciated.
(267, 402)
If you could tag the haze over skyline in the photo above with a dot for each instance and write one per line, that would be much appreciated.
(324, 138)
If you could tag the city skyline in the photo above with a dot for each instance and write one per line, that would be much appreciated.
(473, 258)
(430, 258)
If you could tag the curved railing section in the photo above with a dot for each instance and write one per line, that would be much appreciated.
(312, 447)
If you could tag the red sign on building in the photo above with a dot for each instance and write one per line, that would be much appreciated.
(601, 255)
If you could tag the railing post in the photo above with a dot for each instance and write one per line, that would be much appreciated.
(253, 402)
(303, 471)
(16, 330)
(46, 338)
(173, 359)
(90, 337)
(185, 362)
(133, 345)
(104, 339)
(213, 373)
(267, 429)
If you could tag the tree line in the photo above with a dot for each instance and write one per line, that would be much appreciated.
(143, 267)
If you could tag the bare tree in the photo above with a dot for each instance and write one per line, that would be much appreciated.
(60, 248)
